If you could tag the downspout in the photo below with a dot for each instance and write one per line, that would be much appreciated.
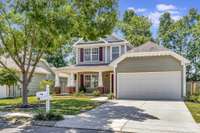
(184, 80)
(115, 82)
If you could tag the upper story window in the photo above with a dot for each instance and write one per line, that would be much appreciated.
(87, 54)
(95, 54)
(91, 54)
(115, 52)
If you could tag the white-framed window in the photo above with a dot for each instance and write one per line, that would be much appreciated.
(91, 54)
(87, 54)
(87, 81)
(94, 81)
(95, 54)
(115, 52)
(91, 80)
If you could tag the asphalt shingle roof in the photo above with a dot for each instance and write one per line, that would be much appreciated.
(149, 47)
(109, 39)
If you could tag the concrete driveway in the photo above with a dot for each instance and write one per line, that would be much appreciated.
(136, 116)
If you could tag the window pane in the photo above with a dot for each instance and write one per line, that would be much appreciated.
(115, 52)
(95, 54)
(87, 54)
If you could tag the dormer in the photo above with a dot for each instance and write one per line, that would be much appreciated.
(102, 51)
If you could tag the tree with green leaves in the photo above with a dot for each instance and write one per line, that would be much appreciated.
(8, 77)
(44, 83)
(135, 28)
(182, 37)
(163, 32)
(63, 56)
(31, 28)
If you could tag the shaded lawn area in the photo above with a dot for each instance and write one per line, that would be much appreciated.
(67, 105)
(194, 109)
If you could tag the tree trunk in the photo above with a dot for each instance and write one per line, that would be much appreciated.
(25, 90)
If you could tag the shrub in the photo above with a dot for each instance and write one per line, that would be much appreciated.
(194, 98)
(82, 89)
(96, 93)
(110, 96)
(51, 116)
(43, 84)
(77, 94)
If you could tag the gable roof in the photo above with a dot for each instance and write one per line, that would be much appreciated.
(150, 49)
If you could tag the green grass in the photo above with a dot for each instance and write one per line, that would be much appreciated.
(67, 105)
(194, 109)
(17, 101)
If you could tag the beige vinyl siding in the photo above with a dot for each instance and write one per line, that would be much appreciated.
(35, 82)
(108, 53)
(149, 64)
(122, 49)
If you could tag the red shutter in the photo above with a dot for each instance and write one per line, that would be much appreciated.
(101, 54)
(82, 79)
(81, 55)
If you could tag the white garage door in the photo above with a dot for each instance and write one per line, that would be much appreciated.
(149, 85)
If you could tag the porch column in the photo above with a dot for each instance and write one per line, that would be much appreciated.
(71, 84)
(100, 83)
(72, 79)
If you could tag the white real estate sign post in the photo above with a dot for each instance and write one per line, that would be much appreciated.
(44, 95)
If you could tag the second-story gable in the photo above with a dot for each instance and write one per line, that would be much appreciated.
(102, 51)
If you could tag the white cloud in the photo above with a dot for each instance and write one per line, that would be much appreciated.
(176, 17)
(165, 7)
(173, 12)
(162, 8)
(154, 18)
(137, 10)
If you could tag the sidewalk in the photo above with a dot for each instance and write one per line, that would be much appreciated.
(17, 114)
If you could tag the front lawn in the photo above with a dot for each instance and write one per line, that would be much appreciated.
(66, 105)
(194, 109)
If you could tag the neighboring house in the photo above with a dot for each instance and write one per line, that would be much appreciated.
(113, 65)
(42, 72)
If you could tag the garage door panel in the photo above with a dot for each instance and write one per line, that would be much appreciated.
(149, 85)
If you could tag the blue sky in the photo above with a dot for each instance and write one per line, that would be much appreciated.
(154, 8)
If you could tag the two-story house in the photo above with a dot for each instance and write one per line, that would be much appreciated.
(112, 65)
(92, 68)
